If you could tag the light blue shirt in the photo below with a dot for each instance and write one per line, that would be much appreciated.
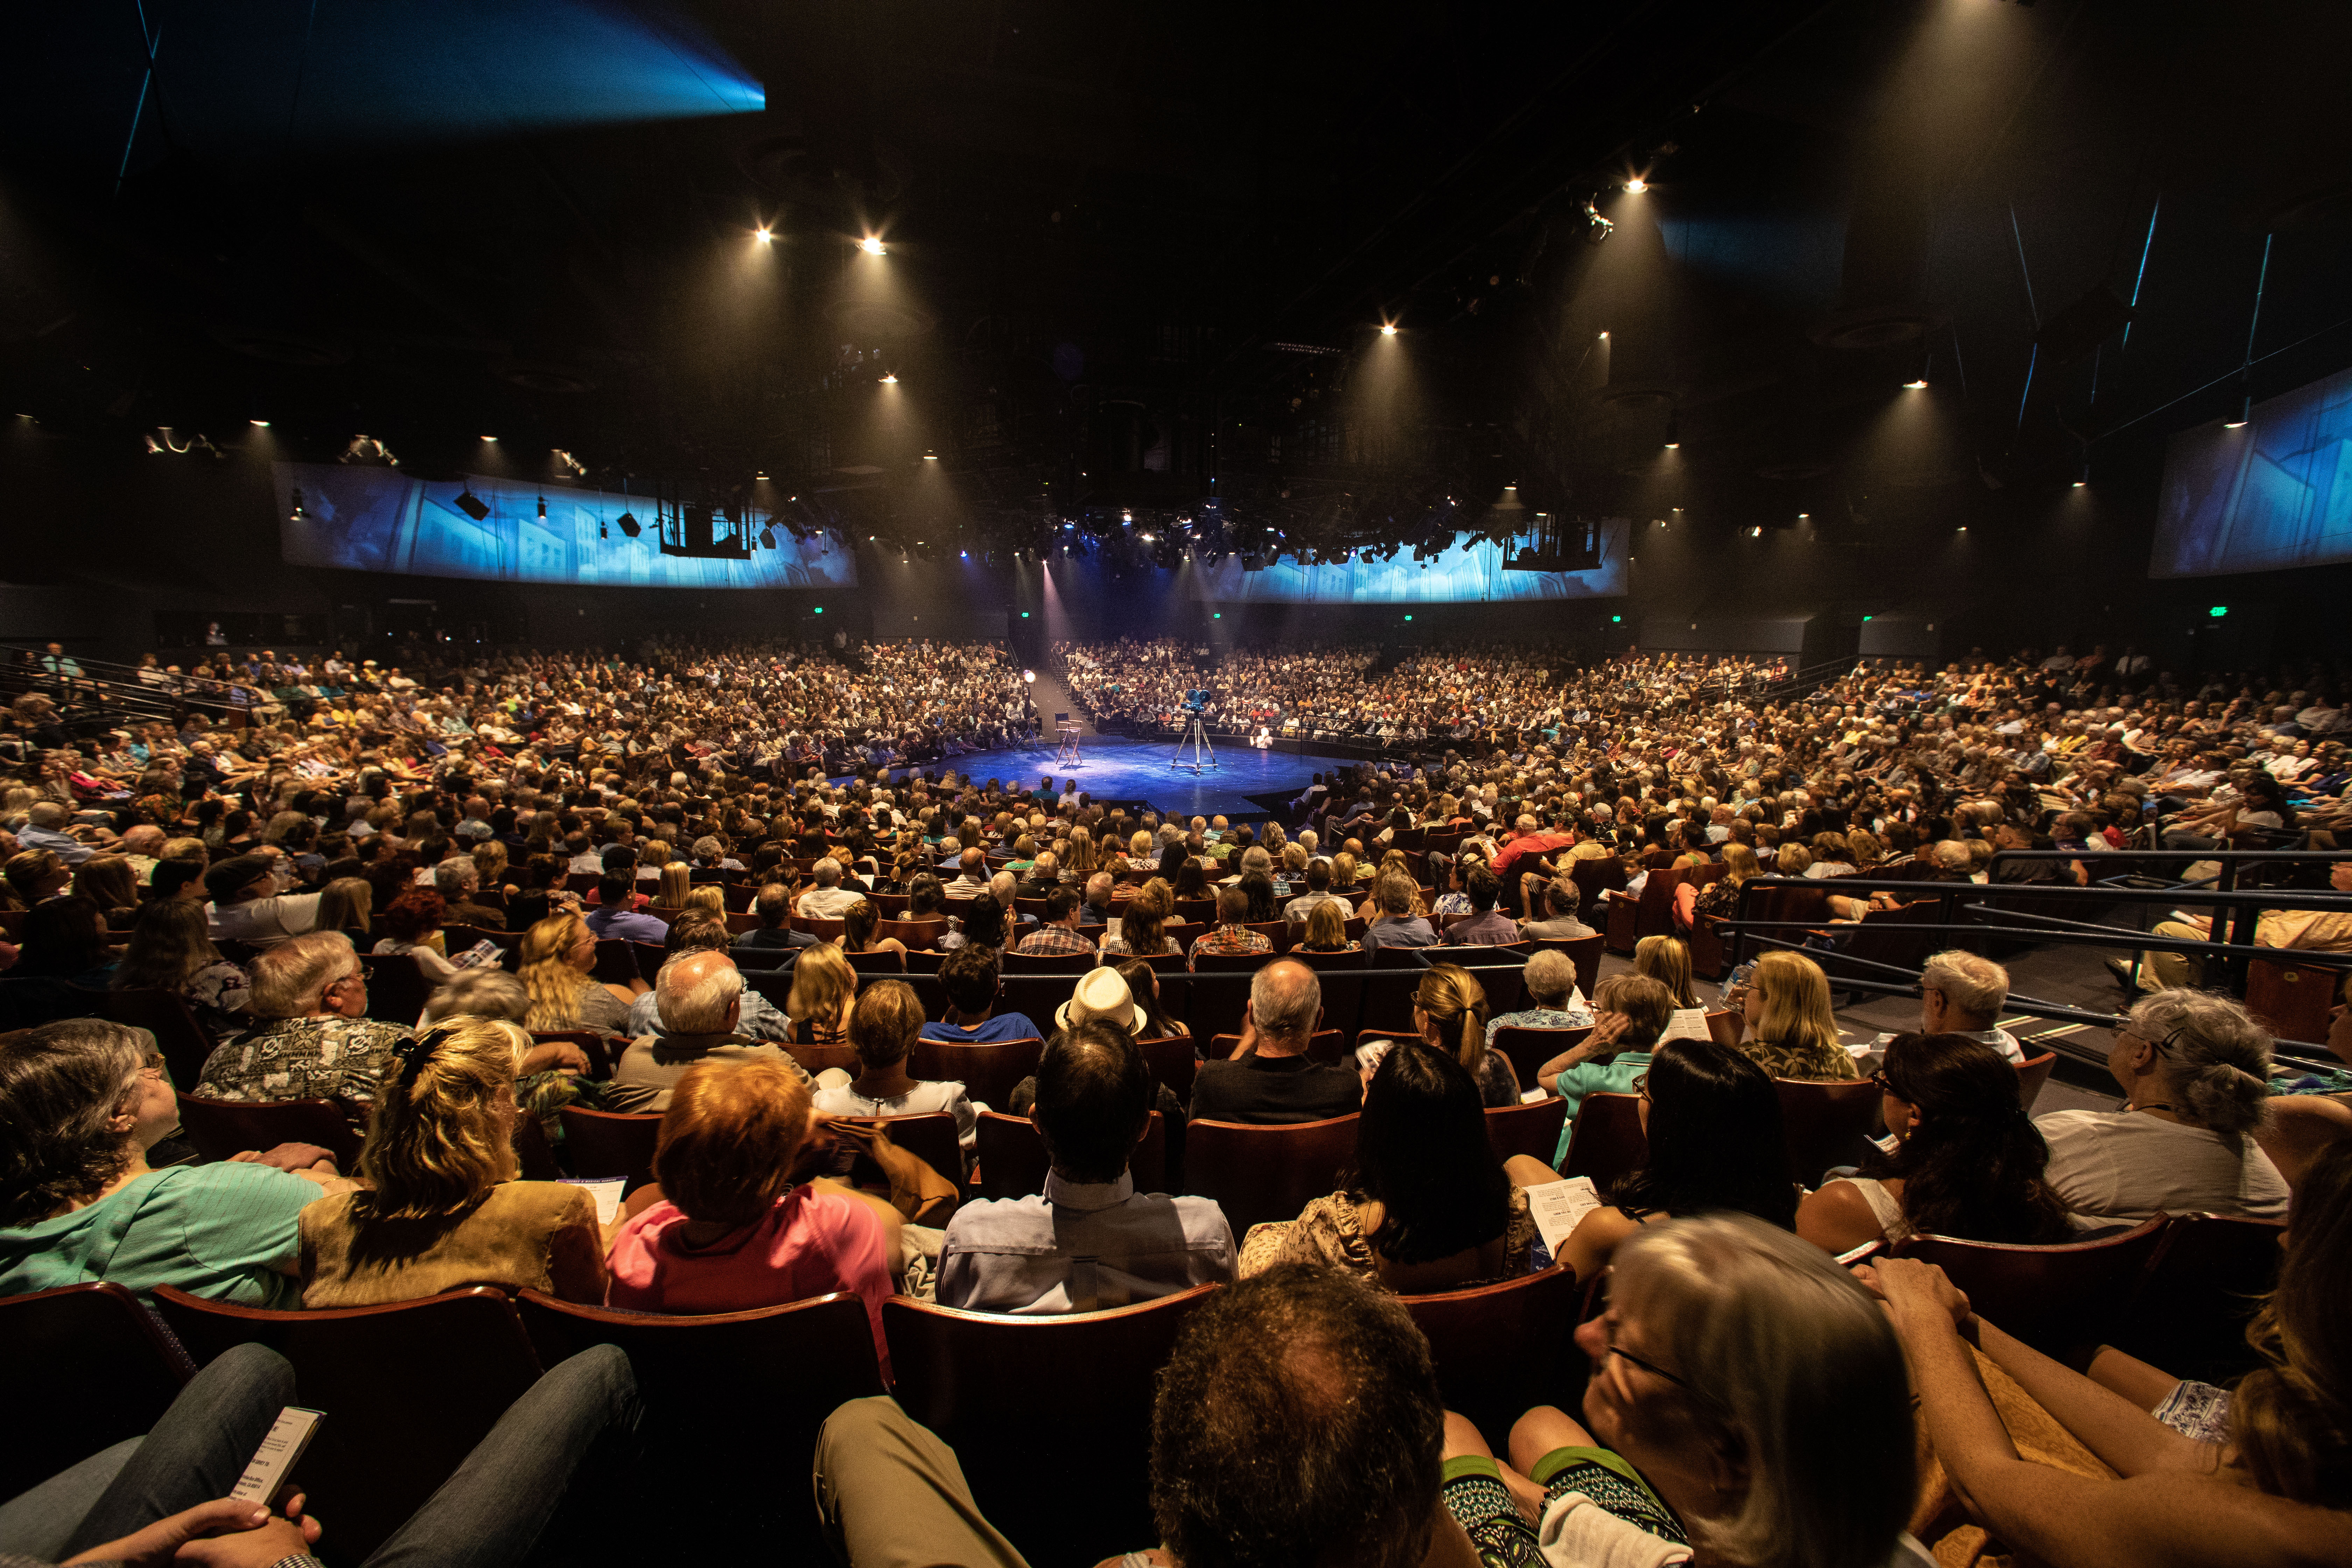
(1080, 1247)
(72, 851)
(1596, 1078)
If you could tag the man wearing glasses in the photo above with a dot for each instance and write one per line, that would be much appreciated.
(318, 1042)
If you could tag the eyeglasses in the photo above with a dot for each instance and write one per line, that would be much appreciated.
(1886, 1083)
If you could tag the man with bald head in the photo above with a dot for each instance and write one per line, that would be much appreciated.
(700, 998)
(972, 875)
(1270, 1080)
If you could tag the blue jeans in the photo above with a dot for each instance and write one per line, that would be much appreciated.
(491, 1511)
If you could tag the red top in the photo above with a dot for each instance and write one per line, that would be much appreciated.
(808, 1243)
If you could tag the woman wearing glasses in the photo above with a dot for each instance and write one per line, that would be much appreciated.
(1747, 1403)
(81, 1104)
(1966, 1161)
(2195, 1073)
(1713, 1120)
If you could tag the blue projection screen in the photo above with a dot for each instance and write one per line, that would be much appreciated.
(379, 520)
(2273, 493)
(1472, 572)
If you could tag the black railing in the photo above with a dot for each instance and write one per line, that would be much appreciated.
(1969, 912)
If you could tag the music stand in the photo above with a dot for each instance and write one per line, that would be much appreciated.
(1068, 757)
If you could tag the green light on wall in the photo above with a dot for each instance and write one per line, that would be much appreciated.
(1024, 615)
(2218, 611)
(1408, 617)
(1865, 617)
(1615, 619)
(820, 609)
(1216, 615)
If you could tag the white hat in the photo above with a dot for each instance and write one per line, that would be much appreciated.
(1101, 993)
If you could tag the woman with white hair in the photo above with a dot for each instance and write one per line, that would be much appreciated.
(1748, 1404)
(2195, 1071)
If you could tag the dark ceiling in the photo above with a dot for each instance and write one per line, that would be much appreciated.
(1138, 257)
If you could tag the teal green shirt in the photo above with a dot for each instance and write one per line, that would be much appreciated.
(217, 1231)
(1596, 1078)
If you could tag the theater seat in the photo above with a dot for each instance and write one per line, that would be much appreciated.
(2050, 1297)
(605, 1143)
(95, 1367)
(409, 1389)
(1503, 1348)
(733, 1400)
(1529, 1130)
(1529, 1049)
(1013, 1162)
(2190, 1310)
(183, 1041)
(1823, 1125)
(1050, 1417)
(1608, 1141)
(988, 1071)
(220, 1128)
(1261, 1173)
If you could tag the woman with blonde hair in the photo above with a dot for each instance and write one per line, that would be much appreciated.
(346, 904)
(1667, 960)
(1327, 930)
(1082, 861)
(490, 865)
(1450, 1013)
(825, 989)
(676, 882)
(1792, 1032)
(444, 1209)
(708, 897)
(559, 962)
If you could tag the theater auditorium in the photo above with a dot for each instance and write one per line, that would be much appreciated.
(919, 785)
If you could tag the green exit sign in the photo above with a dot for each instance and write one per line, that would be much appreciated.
(820, 609)
(2218, 611)
(1614, 619)
(1408, 617)
(1024, 615)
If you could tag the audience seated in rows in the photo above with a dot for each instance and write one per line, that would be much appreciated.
(1269, 1078)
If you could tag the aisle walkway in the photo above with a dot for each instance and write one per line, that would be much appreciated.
(1052, 697)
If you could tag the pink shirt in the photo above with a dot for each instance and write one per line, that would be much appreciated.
(808, 1243)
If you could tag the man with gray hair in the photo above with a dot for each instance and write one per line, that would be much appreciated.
(1962, 994)
(456, 880)
(1270, 1080)
(45, 828)
(700, 1000)
(828, 900)
(318, 1042)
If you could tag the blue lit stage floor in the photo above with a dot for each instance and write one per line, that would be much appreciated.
(1110, 768)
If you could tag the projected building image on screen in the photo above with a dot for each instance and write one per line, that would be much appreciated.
(1468, 571)
(2273, 493)
(379, 520)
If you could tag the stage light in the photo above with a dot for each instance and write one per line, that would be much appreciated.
(258, 424)
(930, 456)
(542, 509)
(870, 245)
(1962, 529)
(2245, 412)
(2080, 483)
(1028, 675)
(1804, 517)
(628, 525)
(1604, 332)
(762, 236)
(1388, 328)
(759, 476)
(1756, 534)
(297, 514)
(890, 380)
(489, 437)
(963, 554)
(1918, 385)
(1636, 185)
(602, 532)
(1674, 446)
